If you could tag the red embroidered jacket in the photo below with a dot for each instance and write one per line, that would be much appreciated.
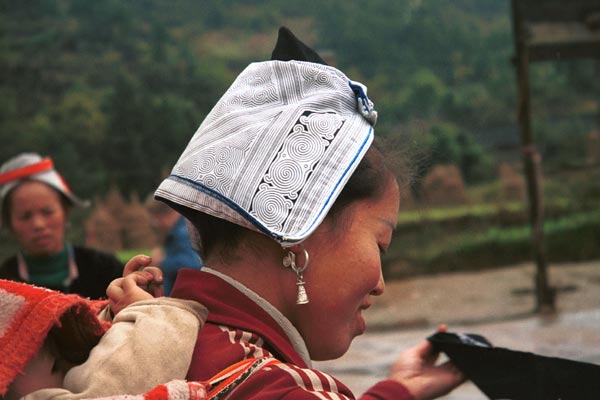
(239, 328)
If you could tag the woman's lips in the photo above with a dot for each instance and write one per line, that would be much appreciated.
(42, 240)
(362, 325)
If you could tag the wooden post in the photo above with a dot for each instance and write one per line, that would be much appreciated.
(531, 161)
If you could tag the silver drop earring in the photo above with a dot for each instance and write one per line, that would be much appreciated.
(289, 261)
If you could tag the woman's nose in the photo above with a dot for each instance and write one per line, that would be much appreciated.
(38, 221)
(380, 288)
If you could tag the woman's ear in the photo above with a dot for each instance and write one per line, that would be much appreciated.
(297, 248)
(301, 257)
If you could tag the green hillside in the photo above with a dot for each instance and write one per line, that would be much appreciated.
(114, 89)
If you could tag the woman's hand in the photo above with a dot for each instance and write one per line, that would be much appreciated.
(417, 371)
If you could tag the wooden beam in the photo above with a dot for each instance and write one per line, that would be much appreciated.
(555, 10)
(554, 30)
(570, 51)
(561, 41)
(531, 161)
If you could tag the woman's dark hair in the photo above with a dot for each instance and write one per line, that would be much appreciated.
(369, 180)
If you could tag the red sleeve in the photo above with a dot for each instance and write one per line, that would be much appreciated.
(387, 390)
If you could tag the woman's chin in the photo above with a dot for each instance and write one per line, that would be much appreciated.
(331, 352)
(362, 325)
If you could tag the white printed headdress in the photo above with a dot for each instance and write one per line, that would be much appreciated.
(31, 166)
(276, 150)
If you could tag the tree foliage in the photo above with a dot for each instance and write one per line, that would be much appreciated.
(113, 89)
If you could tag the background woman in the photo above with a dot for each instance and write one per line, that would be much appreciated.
(293, 207)
(35, 202)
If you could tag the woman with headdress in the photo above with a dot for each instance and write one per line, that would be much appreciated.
(292, 206)
(35, 202)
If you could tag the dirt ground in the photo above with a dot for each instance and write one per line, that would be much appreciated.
(476, 297)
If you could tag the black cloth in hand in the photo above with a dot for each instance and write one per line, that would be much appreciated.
(516, 375)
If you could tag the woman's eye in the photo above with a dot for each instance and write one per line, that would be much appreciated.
(24, 217)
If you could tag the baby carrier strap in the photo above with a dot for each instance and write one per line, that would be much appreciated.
(225, 381)
(219, 387)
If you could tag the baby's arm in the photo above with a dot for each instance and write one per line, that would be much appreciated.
(150, 342)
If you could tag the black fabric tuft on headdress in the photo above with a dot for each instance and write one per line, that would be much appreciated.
(289, 47)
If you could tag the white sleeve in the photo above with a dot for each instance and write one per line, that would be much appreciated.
(150, 343)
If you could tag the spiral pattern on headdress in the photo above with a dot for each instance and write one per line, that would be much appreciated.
(259, 76)
(204, 162)
(210, 181)
(225, 170)
(271, 207)
(266, 96)
(322, 124)
(318, 80)
(262, 89)
(304, 146)
(285, 175)
(325, 79)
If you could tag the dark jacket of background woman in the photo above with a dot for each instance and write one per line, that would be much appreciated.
(96, 270)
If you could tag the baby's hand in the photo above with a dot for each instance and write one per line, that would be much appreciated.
(137, 284)
(141, 263)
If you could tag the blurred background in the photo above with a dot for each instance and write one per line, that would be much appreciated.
(113, 90)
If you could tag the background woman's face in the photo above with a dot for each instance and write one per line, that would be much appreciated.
(37, 218)
(344, 272)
